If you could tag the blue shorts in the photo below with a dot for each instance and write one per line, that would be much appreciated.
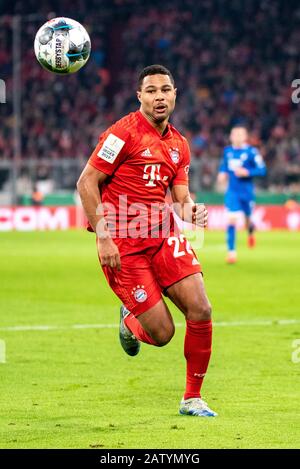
(235, 203)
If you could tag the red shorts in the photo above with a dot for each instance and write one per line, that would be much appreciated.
(148, 267)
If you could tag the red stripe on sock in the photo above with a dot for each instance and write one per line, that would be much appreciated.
(197, 351)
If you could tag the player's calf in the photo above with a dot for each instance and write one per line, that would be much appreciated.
(163, 336)
(158, 323)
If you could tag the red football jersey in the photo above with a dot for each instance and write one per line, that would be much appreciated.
(141, 165)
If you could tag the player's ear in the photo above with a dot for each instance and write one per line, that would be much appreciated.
(138, 93)
(175, 92)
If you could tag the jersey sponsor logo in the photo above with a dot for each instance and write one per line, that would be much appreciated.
(139, 293)
(234, 163)
(146, 152)
(111, 148)
(174, 153)
(152, 174)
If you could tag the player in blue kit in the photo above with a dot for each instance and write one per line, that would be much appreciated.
(241, 162)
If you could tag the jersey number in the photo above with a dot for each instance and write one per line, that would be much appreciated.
(177, 241)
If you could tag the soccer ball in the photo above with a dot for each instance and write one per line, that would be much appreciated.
(62, 45)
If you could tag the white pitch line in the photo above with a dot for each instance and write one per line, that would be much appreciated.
(274, 322)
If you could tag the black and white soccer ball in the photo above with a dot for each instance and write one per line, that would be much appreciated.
(62, 45)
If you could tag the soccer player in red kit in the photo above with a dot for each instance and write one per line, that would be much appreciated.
(142, 254)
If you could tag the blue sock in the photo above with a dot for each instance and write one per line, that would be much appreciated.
(231, 237)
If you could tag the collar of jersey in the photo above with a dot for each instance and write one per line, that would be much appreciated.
(245, 146)
(150, 127)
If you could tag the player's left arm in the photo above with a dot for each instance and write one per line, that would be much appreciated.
(259, 167)
(186, 208)
(184, 205)
(223, 170)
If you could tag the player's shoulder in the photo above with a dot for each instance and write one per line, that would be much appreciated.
(178, 135)
(228, 149)
(125, 127)
(252, 150)
(128, 122)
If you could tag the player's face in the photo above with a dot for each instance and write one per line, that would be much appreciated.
(238, 136)
(157, 97)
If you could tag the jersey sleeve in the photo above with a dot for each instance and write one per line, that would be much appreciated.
(223, 168)
(112, 148)
(181, 176)
(258, 165)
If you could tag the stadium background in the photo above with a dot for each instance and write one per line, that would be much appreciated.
(232, 62)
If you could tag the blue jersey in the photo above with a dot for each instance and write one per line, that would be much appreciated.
(247, 157)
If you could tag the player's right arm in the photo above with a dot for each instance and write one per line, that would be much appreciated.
(110, 152)
(222, 178)
(88, 185)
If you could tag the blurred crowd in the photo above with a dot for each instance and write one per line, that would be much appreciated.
(233, 62)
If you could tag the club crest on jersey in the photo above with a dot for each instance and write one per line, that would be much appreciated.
(174, 153)
(140, 295)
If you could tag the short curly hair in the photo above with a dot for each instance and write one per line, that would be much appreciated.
(155, 69)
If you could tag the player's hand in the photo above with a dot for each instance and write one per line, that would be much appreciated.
(200, 215)
(241, 172)
(109, 254)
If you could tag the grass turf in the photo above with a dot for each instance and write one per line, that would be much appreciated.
(75, 388)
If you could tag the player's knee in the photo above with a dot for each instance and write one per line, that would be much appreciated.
(231, 222)
(200, 313)
(205, 312)
(163, 336)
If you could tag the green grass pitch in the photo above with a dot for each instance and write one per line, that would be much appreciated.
(72, 387)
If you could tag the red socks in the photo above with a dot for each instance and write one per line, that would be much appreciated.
(197, 351)
(135, 327)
